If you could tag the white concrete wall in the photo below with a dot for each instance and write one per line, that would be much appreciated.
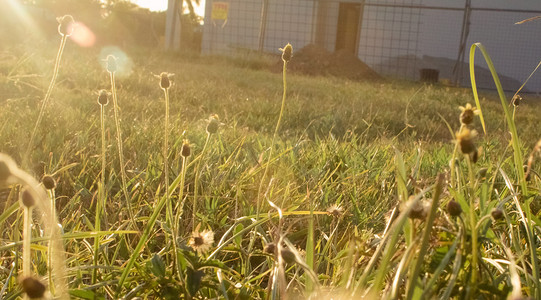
(240, 31)
(287, 22)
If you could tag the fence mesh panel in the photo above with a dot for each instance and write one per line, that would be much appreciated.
(396, 38)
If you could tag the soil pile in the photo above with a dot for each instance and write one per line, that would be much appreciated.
(314, 60)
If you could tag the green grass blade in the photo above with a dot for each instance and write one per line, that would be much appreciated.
(8, 212)
(426, 236)
(310, 250)
(402, 191)
(510, 122)
(146, 233)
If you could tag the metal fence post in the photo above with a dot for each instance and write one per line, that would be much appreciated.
(263, 25)
(459, 64)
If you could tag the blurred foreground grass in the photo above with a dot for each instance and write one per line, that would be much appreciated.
(337, 145)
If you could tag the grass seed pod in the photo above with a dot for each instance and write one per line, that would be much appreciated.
(454, 208)
(103, 97)
(213, 124)
(497, 214)
(288, 255)
(165, 80)
(468, 113)
(48, 182)
(111, 63)
(517, 99)
(186, 149)
(465, 141)
(270, 248)
(287, 53)
(65, 25)
(418, 211)
(27, 198)
(33, 288)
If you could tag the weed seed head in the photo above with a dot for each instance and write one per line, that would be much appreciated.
(65, 25)
(468, 112)
(454, 208)
(465, 140)
(270, 248)
(288, 255)
(33, 288)
(165, 80)
(111, 64)
(48, 182)
(497, 214)
(103, 97)
(418, 211)
(27, 198)
(335, 210)
(213, 124)
(186, 149)
(201, 241)
(287, 52)
(517, 99)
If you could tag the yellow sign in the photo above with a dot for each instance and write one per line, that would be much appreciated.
(219, 10)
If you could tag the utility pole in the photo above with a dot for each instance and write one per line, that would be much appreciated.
(172, 24)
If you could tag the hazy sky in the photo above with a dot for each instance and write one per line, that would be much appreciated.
(160, 5)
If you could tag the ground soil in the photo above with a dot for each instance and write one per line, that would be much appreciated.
(316, 61)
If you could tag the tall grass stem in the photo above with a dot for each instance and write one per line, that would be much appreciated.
(27, 237)
(178, 215)
(101, 201)
(196, 181)
(284, 69)
(169, 218)
(45, 100)
(50, 249)
(143, 240)
(473, 223)
(120, 149)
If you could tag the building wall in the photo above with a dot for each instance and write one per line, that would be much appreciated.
(287, 22)
(393, 41)
(240, 30)
(388, 33)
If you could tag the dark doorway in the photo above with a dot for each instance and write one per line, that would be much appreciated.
(347, 34)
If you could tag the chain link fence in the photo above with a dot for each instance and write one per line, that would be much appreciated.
(396, 38)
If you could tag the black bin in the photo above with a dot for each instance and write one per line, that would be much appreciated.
(429, 75)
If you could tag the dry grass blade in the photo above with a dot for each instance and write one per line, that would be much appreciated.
(528, 20)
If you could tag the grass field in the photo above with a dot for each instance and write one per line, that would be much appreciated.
(344, 156)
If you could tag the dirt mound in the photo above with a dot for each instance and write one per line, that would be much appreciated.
(314, 60)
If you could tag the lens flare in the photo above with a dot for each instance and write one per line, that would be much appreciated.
(124, 63)
(82, 35)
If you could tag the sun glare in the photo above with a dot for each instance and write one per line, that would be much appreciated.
(21, 13)
(161, 5)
